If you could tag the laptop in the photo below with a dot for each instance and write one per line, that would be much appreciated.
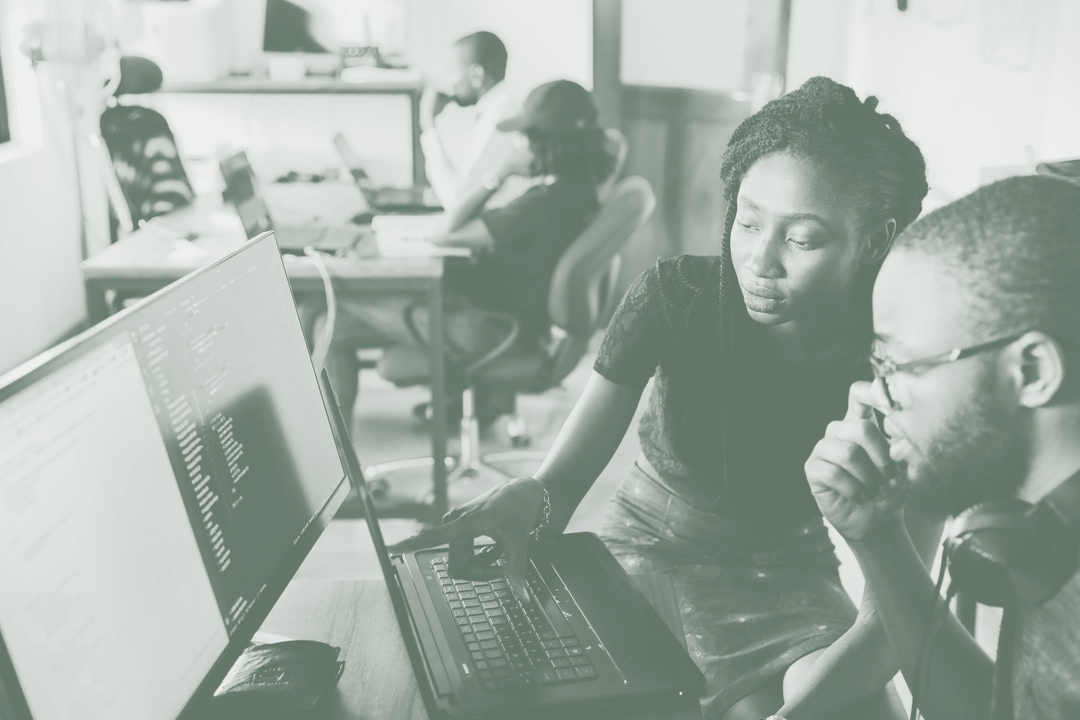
(589, 641)
(384, 198)
(242, 190)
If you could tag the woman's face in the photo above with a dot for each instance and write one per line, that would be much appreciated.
(796, 244)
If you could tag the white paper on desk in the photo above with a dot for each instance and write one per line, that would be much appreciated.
(407, 236)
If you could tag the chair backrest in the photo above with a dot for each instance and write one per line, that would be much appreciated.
(584, 286)
(617, 147)
(145, 161)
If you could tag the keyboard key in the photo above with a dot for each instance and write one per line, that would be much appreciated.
(497, 662)
(477, 656)
(566, 674)
(575, 651)
(470, 637)
(559, 653)
(545, 675)
(489, 644)
(492, 655)
(561, 662)
(473, 646)
(579, 661)
(586, 671)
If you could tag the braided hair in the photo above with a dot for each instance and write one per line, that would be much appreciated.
(882, 172)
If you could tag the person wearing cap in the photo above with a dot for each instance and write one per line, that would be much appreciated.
(459, 152)
(559, 145)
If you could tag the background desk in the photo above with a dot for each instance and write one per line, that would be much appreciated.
(378, 681)
(153, 257)
(202, 122)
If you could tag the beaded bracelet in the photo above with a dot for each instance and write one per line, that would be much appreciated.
(546, 516)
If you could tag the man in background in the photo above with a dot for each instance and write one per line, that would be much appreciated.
(977, 365)
(457, 162)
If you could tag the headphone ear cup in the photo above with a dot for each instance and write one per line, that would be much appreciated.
(1007, 554)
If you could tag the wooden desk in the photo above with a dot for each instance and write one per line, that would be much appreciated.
(378, 681)
(156, 255)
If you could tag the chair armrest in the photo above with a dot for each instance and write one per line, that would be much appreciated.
(513, 329)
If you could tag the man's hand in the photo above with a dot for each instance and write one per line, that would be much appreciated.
(432, 102)
(851, 475)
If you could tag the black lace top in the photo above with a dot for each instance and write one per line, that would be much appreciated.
(668, 326)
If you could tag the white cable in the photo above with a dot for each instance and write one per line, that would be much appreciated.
(322, 344)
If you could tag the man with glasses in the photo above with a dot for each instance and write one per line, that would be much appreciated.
(976, 400)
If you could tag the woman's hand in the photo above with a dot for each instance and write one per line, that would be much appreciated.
(507, 514)
(850, 472)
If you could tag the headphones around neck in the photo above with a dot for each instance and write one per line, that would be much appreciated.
(1010, 553)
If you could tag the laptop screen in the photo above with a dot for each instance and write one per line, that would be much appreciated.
(242, 190)
(162, 476)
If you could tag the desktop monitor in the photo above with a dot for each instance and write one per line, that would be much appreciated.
(162, 476)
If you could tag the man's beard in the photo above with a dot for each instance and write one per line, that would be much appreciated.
(980, 454)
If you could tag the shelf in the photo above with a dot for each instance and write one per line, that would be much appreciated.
(322, 85)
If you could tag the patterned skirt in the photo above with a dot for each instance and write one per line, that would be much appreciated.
(752, 600)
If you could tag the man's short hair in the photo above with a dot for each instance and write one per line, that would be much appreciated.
(1013, 246)
(487, 51)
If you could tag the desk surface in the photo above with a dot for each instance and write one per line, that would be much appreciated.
(160, 252)
(378, 681)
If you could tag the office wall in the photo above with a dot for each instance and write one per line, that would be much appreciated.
(986, 87)
(698, 44)
(545, 40)
(41, 298)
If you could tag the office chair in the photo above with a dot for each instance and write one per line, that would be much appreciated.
(617, 147)
(144, 175)
(583, 292)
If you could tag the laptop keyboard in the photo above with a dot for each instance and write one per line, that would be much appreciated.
(514, 645)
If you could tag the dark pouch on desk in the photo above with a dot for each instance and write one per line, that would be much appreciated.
(278, 680)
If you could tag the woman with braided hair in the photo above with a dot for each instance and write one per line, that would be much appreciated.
(751, 353)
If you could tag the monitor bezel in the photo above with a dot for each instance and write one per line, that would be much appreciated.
(13, 702)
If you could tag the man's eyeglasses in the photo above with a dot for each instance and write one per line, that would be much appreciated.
(885, 368)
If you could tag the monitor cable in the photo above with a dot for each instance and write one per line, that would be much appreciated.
(322, 344)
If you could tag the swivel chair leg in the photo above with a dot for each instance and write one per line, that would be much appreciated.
(468, 474)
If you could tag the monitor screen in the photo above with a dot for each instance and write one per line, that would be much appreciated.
(162, 476)
(292, 27)
(242, 190)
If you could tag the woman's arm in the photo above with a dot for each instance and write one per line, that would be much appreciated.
(508, 512)
(586, 443)
(858, 665)
(467, 211)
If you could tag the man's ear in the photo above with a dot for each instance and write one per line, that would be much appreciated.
(476, 76)
(1040, 371)
(878, 242)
